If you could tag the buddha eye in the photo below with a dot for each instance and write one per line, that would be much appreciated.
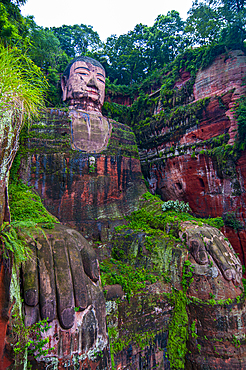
(99, 79)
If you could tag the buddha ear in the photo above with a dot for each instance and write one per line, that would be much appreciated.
(64, 87)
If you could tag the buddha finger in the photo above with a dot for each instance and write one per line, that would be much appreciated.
(78, 275)
(46, 280)
(198, 250)
(30, 278)
(219, 254)
(90, 262)
(64, 284)
(88, 254)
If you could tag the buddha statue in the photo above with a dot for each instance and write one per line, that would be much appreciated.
(83, 87)
(97, 186)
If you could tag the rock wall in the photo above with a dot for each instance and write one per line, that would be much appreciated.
(192, 301)
(191, 158)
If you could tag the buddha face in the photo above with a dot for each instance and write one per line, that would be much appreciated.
(85, 87)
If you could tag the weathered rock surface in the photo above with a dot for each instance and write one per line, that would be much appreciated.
(11, 121)
(141, 329)
(217, 305)
(197, 181)
(176, 160)
(197, 293)
(5, 278)
(142, 324)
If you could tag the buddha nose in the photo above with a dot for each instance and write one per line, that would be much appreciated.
(92, 82)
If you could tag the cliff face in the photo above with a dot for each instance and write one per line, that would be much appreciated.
(194, 298)
(181, 279)
(192, 158)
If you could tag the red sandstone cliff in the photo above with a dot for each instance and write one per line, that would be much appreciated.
(179, 165)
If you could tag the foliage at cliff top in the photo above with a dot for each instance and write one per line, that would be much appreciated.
(141, 112)
(211, 21)
(13, 28)
(129, 58)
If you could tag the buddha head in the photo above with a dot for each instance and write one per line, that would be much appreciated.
(83, 84)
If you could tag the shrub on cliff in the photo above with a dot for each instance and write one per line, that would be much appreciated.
(176, 205)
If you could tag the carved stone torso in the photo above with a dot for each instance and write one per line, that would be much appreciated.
(90, 131)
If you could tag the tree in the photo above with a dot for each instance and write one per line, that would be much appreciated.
(203, 24)
(165, 39)
(234, 14)
(214, 21)
(77, 39)
(126, 59)
(134, 55)
(13, 27)
(47, 54)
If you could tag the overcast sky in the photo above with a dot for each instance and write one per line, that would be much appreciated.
(106, 16)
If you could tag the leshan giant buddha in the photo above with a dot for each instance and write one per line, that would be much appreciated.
(100, 183)
(83, 86)
(91, 189)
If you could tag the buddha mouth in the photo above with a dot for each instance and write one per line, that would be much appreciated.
(93, 91)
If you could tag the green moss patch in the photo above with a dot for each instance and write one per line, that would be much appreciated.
(25, 205)
(151, 218)
(130, 278)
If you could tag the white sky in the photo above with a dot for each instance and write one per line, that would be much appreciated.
(106, 16)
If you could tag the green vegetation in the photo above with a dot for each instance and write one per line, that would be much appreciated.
(187, 275)
(240, 114)
(25, 205)
(244, 284)
(231, 221)
(13, 27)
(22, 85)
(236, 342)
(131, 279)
(117, 343)
(29, 339)
(219, 302)
(176, 109)
(178, 331)
(28, 216)
(151, 217)
(13, 239)
(142, 252)
(214, 21)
